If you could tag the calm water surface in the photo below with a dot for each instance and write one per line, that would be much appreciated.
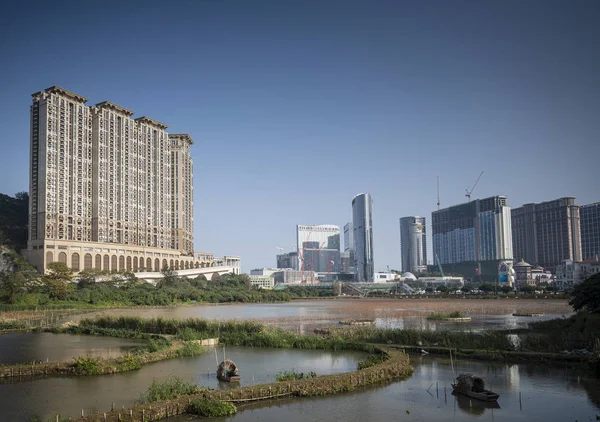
(20, 400)
(305, 316)
(548, 394)
(28, 347)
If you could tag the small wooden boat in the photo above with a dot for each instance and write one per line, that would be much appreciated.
(474, 387)
(528, 314)
(228, 371)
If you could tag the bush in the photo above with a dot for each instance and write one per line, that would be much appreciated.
(445, 316)
(170, 388)
(211, 408)
(87, 365)
(586, 295)
(293, 375)
(190, 348)
(372, 360)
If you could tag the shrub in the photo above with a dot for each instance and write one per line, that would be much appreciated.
(170, 388)
(212, 408)
(87, 365)
(190, 348)
(293, 375)
(372, 360)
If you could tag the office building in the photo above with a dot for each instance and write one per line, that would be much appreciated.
(288, 260)
(347, 265)
(590, 230)
(362, 224)
(547, 233)
(472, 238)
(107, 191)
(262, 281)
(413, 244)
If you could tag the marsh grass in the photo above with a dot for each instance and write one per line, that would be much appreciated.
(170, 388)
(293, 375)
(445, 316)
(211, 408)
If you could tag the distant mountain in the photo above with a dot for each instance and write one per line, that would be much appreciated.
(13, 220)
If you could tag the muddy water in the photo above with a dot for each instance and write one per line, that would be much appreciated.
(305, 316)
(546, 394)
(22, 399)
(29, 347)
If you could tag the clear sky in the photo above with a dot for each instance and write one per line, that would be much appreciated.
(295, 106)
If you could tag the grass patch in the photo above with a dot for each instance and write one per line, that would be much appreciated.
(488, 340)
(170, 388)
(190, 348)
(11, 325)
(372, 360)
(437, 317)
(211, 408)
(293, 375)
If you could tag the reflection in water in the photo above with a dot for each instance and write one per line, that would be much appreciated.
(22, 399)
(29, 347)
(548, 394)
(474, 407)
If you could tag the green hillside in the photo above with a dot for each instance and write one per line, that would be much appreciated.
(13, 220)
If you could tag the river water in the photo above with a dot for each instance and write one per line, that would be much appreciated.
(305, 316)
(45, 397)
(547, 394)
(30, 347)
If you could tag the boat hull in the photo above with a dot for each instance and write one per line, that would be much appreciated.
(234, 378)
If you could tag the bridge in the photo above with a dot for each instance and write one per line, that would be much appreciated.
(208, 272)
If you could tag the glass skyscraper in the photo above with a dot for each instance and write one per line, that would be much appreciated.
(362, 223)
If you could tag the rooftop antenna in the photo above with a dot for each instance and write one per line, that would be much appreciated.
(469, 192)
(438, 190)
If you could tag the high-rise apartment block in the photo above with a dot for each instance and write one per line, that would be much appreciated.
(362, 224)
(547, 233)
(590, 230)
(476, 234)
(413, 244)
(107, 191)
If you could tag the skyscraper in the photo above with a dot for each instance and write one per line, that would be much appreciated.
(547, 233)
(348, 256)
(590, 230)
(413, 244)
(362, 223)
(472, 238)
(106, 191)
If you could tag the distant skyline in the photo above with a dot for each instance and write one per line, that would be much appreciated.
(297, 106)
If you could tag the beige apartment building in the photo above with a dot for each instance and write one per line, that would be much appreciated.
(108, 191)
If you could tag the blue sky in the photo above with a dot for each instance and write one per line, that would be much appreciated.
(296, 106)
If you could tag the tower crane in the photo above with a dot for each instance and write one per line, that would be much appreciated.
(469, 192)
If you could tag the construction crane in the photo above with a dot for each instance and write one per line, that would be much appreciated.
(438, 191)
(469, 192)
(437, 258)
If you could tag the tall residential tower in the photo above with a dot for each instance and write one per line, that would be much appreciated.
(106, 191)
(547, 233)
(362, 223)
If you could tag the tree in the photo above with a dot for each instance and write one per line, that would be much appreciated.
(22, 196)
(506, 289)
(465, 289)
(442, 289)
(58, 280)
(14, 282)
(528, 289)
(169, 277)
(585, 296)
(486, 287)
